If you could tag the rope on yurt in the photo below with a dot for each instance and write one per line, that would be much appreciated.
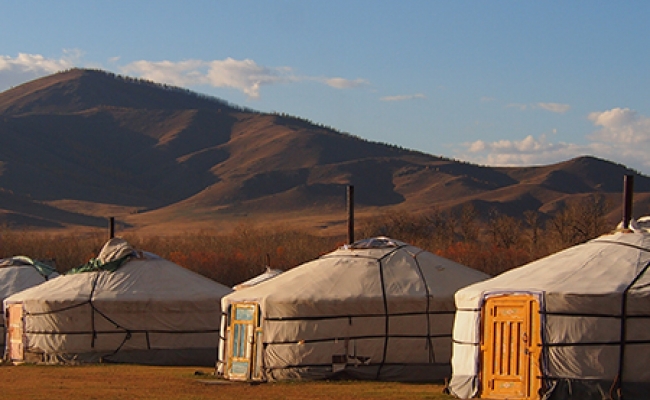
(92, 313)
(432, 354)
(126, 338)
(95, 310)
(386, 315)
(618, 381)
(94, 332)
(386, 318)
(350, 316)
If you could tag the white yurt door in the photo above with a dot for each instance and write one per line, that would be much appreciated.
(244, 348)
(511, 348)
(15, 332)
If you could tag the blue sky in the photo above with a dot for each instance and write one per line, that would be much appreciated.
(489, 82)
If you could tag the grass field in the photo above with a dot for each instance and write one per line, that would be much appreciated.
(130, 382)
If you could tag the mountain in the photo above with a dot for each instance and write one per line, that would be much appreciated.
(81, 145)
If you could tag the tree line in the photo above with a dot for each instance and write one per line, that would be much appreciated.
(492, 243)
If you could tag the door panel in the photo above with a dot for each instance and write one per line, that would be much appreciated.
(511, 348)
(15, 332)
(244, 343)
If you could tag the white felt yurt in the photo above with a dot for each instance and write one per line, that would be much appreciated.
(378, 309)
(573, 325)
(17, 274)
(125, 306)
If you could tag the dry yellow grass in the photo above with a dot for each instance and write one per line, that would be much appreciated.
(130, 382)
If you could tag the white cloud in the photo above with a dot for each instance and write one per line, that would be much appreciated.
(403, 97)
(478, 146)
(244, 75)
(26, 67)
(529, 151)
(619, 139)
(558, 108)
(341, 83)
(620, 126)
(554, 107)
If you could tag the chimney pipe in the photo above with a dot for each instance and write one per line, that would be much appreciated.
(628, 191)
(111, 227)
(351, 214)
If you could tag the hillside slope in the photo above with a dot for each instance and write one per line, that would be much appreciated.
(81, 145)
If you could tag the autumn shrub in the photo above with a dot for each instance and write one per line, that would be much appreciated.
(228, 259)
(490, 259)
(65, 251)
(493, 246)
(240, 255)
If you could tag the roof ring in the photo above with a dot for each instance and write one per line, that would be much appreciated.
(380, 242)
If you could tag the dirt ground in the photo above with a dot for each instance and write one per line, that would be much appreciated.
(129, 382)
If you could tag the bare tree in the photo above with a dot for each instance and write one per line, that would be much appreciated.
(579, 221)
(505, 230)
(590, 216)
(468, 221)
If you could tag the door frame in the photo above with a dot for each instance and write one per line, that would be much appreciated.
(15, 332)
(244, 347)
(527, 348)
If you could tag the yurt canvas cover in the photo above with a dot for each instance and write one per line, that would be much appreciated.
(124, 306)
(256, 280)
(573, 325)
(17, 274)
(378, 309)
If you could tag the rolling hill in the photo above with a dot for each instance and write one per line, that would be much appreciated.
(81, 145)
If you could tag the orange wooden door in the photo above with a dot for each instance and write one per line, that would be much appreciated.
(15, 332)
(511, 348)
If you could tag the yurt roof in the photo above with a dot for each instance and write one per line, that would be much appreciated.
(20, 272)
(143, 276)
(351, 273)
(269, 273)
(605, 265)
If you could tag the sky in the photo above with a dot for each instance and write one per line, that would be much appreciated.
(500, 83)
